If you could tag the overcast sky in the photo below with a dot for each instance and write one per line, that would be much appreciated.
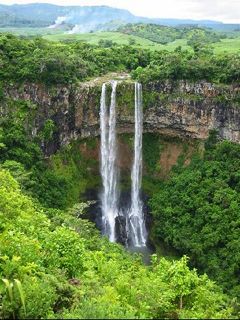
(222, 10)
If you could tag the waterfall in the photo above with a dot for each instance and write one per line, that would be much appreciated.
(136, 224)
(109, 173)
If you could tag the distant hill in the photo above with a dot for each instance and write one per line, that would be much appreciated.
(43, 15)
(85, 18)
(165, 34)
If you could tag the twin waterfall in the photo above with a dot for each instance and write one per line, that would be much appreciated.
(136, 234)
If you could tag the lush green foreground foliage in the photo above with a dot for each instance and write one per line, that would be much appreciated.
(54, 264)
(198, 212)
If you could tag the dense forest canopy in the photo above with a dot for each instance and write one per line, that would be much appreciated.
(197, 212)
(38, 60)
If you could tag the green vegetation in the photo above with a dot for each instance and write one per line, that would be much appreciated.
(153, 32)
(229, 45)
(95, 38)
(197, 212)
(164, 35)
(146, 36)
(55, 265)
(60, 63)
(202, 64)
(30, 31)
(66, 63)
(76, 169)
(58, 183)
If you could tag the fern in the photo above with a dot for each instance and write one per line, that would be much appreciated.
(9, 287)
(21, 294)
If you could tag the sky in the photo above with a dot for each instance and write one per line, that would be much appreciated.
(227, 11)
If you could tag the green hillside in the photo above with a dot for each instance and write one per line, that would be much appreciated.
(228, 45)
(115, 37)
(164, 34)
(224, 45)
(144, 35)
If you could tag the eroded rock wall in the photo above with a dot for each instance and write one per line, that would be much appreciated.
(193, 110)
(178, 109)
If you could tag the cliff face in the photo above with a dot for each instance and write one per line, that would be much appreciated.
(193, 110)
(173, 109)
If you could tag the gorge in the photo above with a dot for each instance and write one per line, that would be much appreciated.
(179, 113)
(182, 114)
(119, 178)
(68, 122)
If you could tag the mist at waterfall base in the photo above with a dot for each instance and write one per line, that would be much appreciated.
(122, 221)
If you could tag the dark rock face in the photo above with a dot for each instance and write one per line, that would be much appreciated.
(171, 108)
(120, 230)
(192, 110)
(94, 214)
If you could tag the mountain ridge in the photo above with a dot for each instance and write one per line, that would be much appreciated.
(88, 18)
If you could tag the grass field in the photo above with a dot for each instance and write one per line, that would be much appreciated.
(30, 31)
(226, 45)
(120, 38)
(94, 38)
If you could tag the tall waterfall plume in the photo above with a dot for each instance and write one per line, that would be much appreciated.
(136, 225)
(109, 172)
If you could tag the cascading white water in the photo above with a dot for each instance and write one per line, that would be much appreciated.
(109, 172)
(134, 217)
(136, 224)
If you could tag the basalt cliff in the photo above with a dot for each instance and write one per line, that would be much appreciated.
(176, 109)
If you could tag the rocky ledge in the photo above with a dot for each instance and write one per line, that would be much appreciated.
(179, 109)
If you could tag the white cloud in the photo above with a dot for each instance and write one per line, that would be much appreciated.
(222, 10)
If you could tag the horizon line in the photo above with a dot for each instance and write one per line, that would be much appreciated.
(106, 6)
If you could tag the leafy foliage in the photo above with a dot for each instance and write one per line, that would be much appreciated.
(58, 185)
(200, 65)
(55, 63)
(64, 269)
(197, 212)
(38, 60)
